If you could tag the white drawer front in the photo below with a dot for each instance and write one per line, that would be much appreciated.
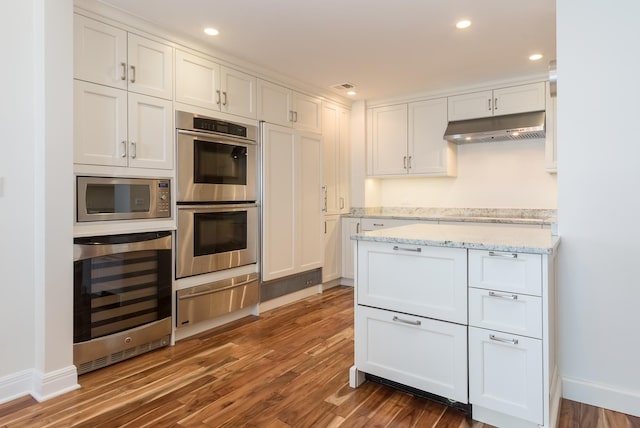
(424, 281)
(514, 272)
(508, 312)
(422, 353)
(505, 373)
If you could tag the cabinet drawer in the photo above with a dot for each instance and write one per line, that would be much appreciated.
(383, 223)
(422, 353)
(503, 271)
(507, 312)
(424, 281)
(505, 373)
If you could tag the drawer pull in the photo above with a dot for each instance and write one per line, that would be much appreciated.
(396, 319)
(415, 250)
(378, 224)
(510, 256)
(499, 339)
(503, 296)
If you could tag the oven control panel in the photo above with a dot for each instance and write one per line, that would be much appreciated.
(163, 204)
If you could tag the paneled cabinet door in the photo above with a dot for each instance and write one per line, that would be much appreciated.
(100, 53)
(505, 373)
(100, 125)
(350, 226)
(429, 153)
(274, 103)
(332, 248)
(150, 132)
(307, 113)
(150, 67)
(197, 81)
(473, 105)
(238, 92)
(389, 140)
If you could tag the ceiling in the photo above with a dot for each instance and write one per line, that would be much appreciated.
(386, 48)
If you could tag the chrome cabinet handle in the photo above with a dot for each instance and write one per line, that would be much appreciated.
(324, 197)
(290, 115)
(413, 250)
(295, 116)
(378, 224)
(224, 93)
(124, 71)
(409, 163)
(325, 227)
(134, 151)
(341, 203)
(495, 103)
(396, 319)
(133, 74)
(489, 104)
(124, 149)
(218, 96)
(357, 227)
(509, 256)
(503, 296)
(500, 339)
(404, 162)
(215, 290)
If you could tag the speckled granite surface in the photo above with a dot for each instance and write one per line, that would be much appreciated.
(513, 239)
(483, 215)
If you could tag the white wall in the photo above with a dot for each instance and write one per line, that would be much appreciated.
(505, 174)
(599, 201)
(36, 301)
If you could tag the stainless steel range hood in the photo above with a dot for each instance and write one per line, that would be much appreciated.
(520, 126)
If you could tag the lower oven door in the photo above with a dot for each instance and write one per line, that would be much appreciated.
(215, 237)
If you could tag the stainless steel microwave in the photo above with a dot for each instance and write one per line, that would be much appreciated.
(115, 198)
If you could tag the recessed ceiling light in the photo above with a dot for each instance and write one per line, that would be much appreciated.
(211, 31)
(535, 57)
(351, 93)
(465, 23)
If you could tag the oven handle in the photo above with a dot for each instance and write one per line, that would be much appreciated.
(217, 207)
(87, 251)
(215, 290)
(218, 138)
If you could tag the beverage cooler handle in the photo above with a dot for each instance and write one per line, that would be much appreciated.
(94, 247)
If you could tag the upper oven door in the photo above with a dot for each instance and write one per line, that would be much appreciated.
(216, 168)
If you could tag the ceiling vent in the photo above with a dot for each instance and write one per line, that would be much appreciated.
(343, 86)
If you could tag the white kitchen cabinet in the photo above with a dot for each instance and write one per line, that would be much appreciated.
(423, 353)
(283, 106)
(506, 271)
(407, 139)
(419, 280)
(505, 374)
(116, 128)
(205, 83)
(335, 160)
(292, 209)
(551, 138)
(110, 56)
(500, 101)
(331, 268)
(350, 227)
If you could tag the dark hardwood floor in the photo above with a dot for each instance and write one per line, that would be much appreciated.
(287, 368)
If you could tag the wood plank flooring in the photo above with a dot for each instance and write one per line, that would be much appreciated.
(287, 368)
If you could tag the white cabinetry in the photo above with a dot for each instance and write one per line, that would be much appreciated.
(335, 160)
(205, 83)
(350, 227)
(511, 339)
(332, 248)
(404, 296)
(407, 139)
(116, 128)
(509, 100)
(283, 106)
(110, 56)
(292, 211)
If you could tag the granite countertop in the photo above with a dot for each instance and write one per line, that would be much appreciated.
(512, 239)
(477, 215)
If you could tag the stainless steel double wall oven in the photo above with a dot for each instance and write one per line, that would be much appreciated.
(217, 167)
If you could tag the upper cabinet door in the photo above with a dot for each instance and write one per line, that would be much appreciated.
(429, 153)
(519, 99)
(238, 92)
(274, 103)
(389, 140)
(469, 106)
(150, 132)
(100, 53)
(197, 81)
(307, 113)
(150, 67)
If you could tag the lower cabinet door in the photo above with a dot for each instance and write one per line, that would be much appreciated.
(419, 352)
(505, 373)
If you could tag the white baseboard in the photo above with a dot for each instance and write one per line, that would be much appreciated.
(605, 396)
(40, 386)
(52, 384)
(15, 385)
